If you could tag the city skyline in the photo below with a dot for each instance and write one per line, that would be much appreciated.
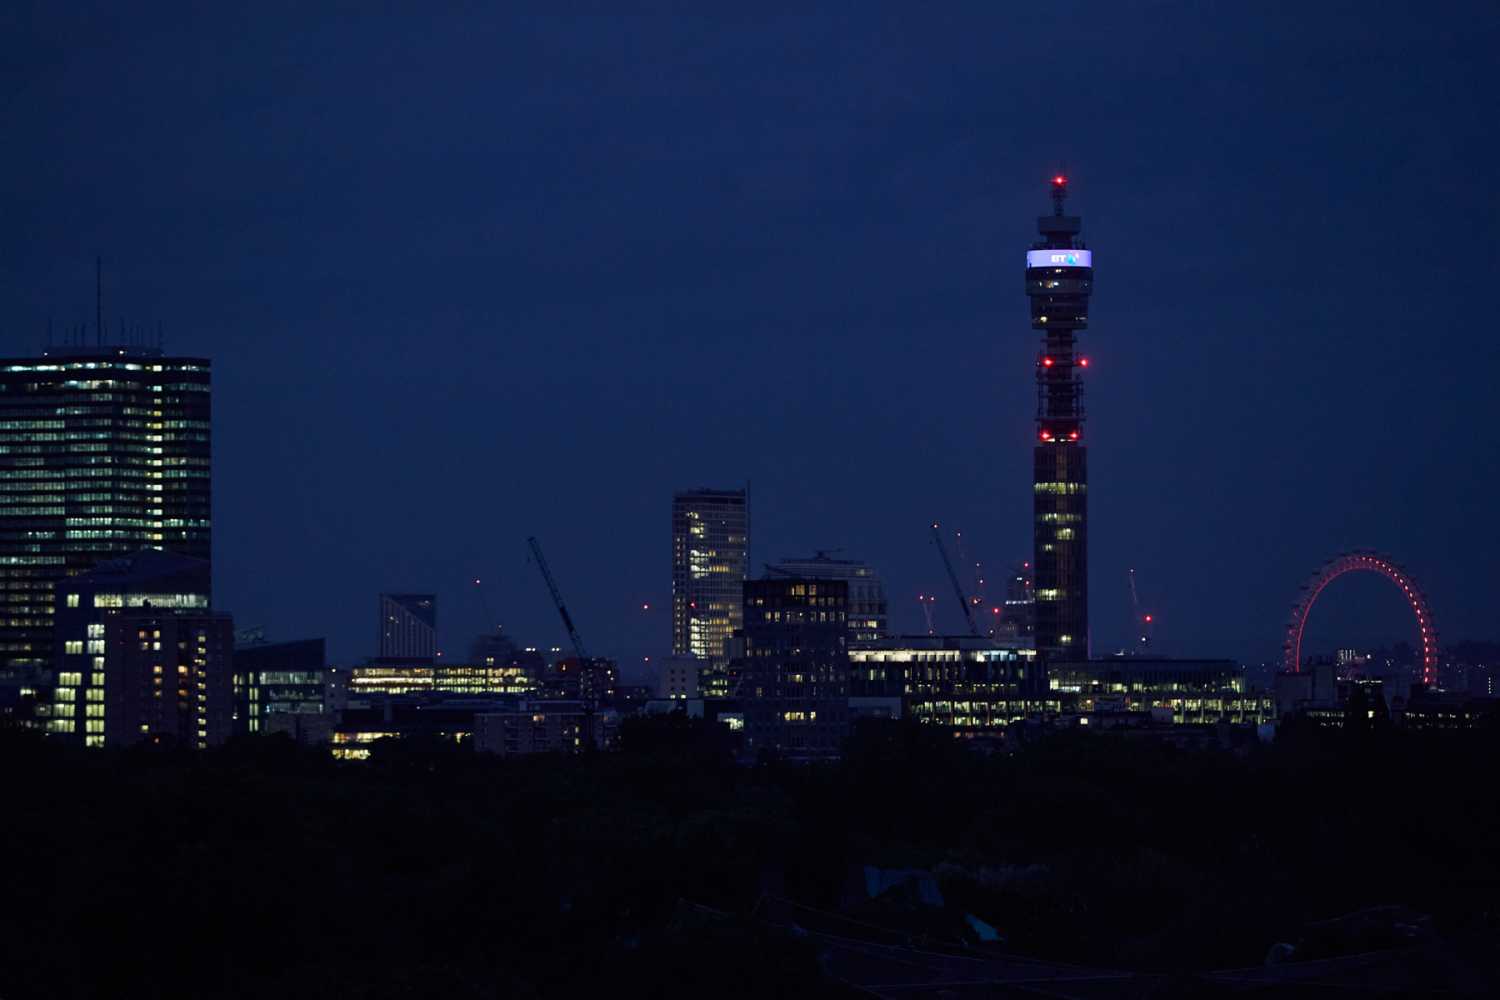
(484, 485)
(814, 307)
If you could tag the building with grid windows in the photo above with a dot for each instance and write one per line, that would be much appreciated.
(278, 678)
(793, 680)
(973, 686)
(103, 452)
(168, 677)
(710, 557)
(868, 614)
(150, 581)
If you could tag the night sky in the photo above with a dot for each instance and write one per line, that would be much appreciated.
(468, 275)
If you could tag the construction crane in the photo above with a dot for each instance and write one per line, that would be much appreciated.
(976, 597)
(1141, 621)
(963, 600)
(562, 609)
(926, 601)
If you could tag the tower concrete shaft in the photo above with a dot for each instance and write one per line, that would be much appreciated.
(1059, 280)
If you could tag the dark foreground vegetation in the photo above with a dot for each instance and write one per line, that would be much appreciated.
(267, 870)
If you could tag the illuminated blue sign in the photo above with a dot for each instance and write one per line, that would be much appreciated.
(1059, 258)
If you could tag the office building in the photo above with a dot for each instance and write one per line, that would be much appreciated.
(278, 678)
(358, 684)
(677, 678)
(544, 727)
(149, 581)
(1059, 281)
(103, 452)
(970, 685)
(168, 677)
(868, 617)
(408, 627)
(1182, 692)
(592, 680)
(498, 725)
(793, 678)
(710, 558)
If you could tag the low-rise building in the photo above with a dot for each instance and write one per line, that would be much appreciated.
(502, 725)
(278, 678)
(677, 678)
(971, 685)
(550, 726)
(1197, 692)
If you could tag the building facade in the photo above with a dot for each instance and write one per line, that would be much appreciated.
(150, 580)
(544, 727)
(168, 677)
(358, 684)
(1059, 281)
(793, 680)
(677, 678)
(408, 627)
(103, 452)
(972, 686)
(710, 559)
(278, 678)
(868, 614)
(1183, 692)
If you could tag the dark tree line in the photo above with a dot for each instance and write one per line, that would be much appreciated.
(265, 869)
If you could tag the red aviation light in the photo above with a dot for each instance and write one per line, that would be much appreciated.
(1048, 362)
(1059, 180)
(1072, 435)
(1046, 435)
(1148, 618)
(1083, 362)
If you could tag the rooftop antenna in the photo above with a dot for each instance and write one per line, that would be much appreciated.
(1059, 191)
(99, 301)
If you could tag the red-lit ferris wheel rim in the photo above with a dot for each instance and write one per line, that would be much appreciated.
(1363, 562)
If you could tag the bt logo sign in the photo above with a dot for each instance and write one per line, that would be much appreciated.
(1059, 258)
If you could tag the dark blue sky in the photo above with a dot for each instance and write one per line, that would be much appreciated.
(468, 275)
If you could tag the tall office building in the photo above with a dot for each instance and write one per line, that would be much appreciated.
(868, 611)
(104, 451)
(794, 677)
(1059, 280)
(710, 557)
(408, 627)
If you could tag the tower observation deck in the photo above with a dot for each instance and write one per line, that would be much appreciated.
(1059, 280)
